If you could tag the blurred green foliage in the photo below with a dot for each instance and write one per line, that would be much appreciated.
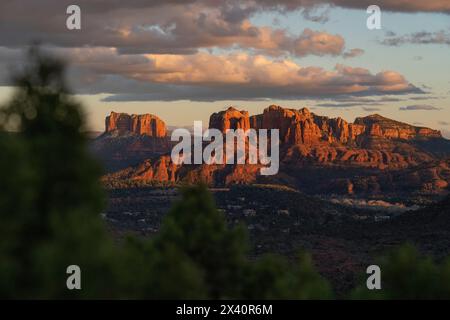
(50, 208)
(406, 274)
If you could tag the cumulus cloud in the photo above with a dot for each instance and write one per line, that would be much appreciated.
(237, 68)
(204, 76)
(419, 107)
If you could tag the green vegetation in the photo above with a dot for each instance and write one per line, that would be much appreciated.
(127, 184)
(406, 274)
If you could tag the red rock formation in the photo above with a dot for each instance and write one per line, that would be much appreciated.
(256, 121)
(376, 125)
(145, 124)
(230, 119)
(302, 126)
(161, 170)
(361, 149)
(296, 126)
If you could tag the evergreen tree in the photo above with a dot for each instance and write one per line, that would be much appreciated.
(199, 231)
(50, 210)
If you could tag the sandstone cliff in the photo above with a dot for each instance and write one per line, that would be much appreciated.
(317, 154)
(130, 139)
(230, 119)
(145, 124)
(303, 127)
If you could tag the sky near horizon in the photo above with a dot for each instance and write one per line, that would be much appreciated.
(183, 60)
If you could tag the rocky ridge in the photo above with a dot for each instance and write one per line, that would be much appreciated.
(372, 154)
(144, 124)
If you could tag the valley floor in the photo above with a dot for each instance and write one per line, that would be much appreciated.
(342, 239)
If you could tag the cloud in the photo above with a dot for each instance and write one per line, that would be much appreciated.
(446, 133)
(419, 107)
(425, 97)
(353, 53)
(141, 50)
(205, 77)
(234, 9)
(444, 123)
(313, 42)
(366, 103)
(175, 27)
(254, 73)
(387, 5)
(233, 68)
(423, 37)
(390, 33)
(182, 26)
(371, 109)
(338, 105)
(315, 14)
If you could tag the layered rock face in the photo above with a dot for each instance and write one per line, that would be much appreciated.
(370, 155)
(129, 140)
(303, 127)
(159, 170)
(230, 119)
(379, 126)
(144, 124)
(296, 126)
(370, 142)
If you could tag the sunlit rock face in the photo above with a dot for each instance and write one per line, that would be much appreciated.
(144, 124)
